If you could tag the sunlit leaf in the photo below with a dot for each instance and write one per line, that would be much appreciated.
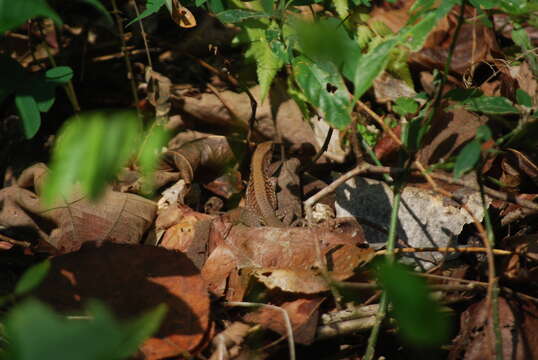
(419, 318)
(467, 158)
(404, 106)
(371, 65)
(152, 6)
(325, 89)
(491, 105)
(238, 15)
(32, 277)
(91, 149)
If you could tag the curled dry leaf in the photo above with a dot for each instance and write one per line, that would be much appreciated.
(132, 280)
(64, 227)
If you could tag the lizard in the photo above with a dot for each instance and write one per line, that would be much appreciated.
(261, 197)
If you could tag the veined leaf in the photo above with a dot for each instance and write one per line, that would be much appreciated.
(341, 8)
(324, 88)
(490, 105)
(238, 15)
(91, 149)
(267, 64)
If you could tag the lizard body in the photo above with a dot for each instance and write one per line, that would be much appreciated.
(261, 197)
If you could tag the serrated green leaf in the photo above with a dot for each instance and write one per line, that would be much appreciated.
(467, 158)
(267, 65)
(29, 113)
(404, 106)
(32, 277)
(491, 105)
(324, 88)
(91, 149)
(15, 13)
(419, 317)
(152, 6)
(523, 98)
(371, 65)
(341, 8)
(237, 15)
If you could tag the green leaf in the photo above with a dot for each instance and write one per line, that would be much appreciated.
(404, 106)
(29, 112)
(15, 13)
(152, 6)
(414, 36)
(238, 15)
(342, 8)
(267, 64)
(491, 105)
(522, 39)
(32, 277)
(326, 40)
(419, 317)
(150, 152)
(523, 98)
(59, 75)
(467, 158)
(413, 134)
(483, 133)
(371, 65)
(43, 88)
(35, 332)
(460, 94)
(91, 149)
(324, 88)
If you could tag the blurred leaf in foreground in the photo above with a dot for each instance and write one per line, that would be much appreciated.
(419, 317)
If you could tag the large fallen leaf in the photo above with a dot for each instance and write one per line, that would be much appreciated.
(117, 217)
(518, 320)
(132, 280)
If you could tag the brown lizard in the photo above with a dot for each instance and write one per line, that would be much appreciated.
(261, 197)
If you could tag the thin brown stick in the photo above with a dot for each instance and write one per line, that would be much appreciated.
(447, 250)
(5, 238)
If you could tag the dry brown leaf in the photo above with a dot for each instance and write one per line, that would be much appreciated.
(132, 280)
(117, 217)
(518, 322)
(303, 314)
(287, 254)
